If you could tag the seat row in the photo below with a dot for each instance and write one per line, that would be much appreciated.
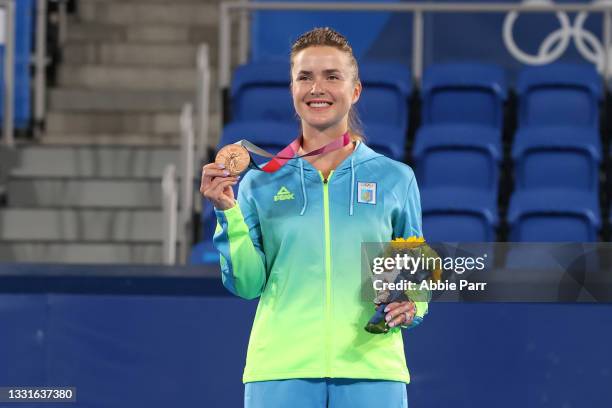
(458, 148)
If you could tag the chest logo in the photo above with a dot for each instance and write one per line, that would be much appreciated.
(366, 193)
(283, 194)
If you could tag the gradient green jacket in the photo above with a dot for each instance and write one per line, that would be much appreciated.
(294, 239)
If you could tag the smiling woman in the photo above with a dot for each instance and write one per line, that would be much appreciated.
(293, 237)
(322, 60)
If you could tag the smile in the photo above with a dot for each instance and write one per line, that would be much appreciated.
(318, 104)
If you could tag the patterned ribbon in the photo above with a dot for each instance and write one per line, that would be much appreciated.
(279, 159)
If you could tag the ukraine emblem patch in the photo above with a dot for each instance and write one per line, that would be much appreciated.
(366, 193)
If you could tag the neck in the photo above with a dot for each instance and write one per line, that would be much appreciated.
(314, 138)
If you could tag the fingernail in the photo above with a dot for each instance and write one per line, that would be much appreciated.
(392, 324)
(203, 172)
(226, 173)
(221, 166)
(387, 318)
(386, 309)
(237, 177)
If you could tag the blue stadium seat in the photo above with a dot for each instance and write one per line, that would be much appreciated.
(269, 135)
(557, 157)
(559, 94)
(208, 220)
(386, 94)
(24, 37)
(204, 252)
(387, 140)
(458, 155)
(458, 215)
(554, 215)
(260, 91)
(464, 93)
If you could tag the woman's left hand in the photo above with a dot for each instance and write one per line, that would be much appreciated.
(400, 313)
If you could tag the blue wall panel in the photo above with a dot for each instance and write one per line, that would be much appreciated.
(161, 351)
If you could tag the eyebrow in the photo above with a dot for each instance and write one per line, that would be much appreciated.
(325, 71)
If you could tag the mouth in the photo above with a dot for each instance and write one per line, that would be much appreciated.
(318, 104)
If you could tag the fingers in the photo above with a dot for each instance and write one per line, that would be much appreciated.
(212, 170)
(219, 184)
(399, 313)
(216, 185)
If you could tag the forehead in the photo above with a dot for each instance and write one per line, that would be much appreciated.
(321, 58)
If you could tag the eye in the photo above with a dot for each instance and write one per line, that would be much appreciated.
(333, 77)
(303, 77)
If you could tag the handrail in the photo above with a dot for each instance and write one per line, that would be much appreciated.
(9, 71)
(535, 6)
(62, 9)
(187, 172)
(40, 63)
(202, 110)
(203, 102)
(169, 218)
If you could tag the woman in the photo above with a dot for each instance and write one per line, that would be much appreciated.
(294, 237)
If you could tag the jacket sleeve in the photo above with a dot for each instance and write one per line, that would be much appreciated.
(407, 224)
(238, 240)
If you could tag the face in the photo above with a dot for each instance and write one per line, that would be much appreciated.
(323, 87)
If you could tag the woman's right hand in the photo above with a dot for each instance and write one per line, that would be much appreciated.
(217, 185)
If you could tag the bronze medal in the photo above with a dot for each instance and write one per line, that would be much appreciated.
(235, 158)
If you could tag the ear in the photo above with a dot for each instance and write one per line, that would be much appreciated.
(357, 92)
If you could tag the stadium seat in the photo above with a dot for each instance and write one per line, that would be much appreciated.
(458, 215)
(387, 140)
(559, 94)
(557, 157)
(204, 252)
(459, 156)
(385, 96)
(554, 215)
(260, 91)
(464, 93)
(24, 33)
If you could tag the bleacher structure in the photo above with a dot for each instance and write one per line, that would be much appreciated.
(88, 190)
(458, 148)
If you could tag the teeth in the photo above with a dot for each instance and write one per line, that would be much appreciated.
(319, 104)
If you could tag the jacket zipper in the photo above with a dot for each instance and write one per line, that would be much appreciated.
(328, 320)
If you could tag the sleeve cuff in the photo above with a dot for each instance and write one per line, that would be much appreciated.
(230, 212)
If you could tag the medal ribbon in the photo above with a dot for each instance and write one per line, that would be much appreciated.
(279, 159)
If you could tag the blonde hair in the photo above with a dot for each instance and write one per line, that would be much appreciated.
(325, 36)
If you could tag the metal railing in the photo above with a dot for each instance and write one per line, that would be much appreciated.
(40, 63)
(230, 9)
(203, 102)
(187, 172)
(8, 7)
(169, 218)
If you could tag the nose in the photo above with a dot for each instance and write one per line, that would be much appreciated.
(316, 89)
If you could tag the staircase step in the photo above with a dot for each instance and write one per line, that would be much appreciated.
(94, 161)
(82, 192)
(80, 225)
(130, 139)
(79, 99)
(144, 33)
(195, 13)
(160, 55)
(113, 122)
(76, 252)
(126, 77)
